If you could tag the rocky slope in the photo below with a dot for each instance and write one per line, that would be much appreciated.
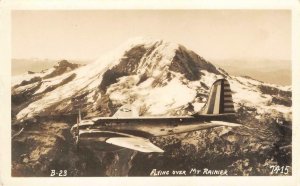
(157, 78)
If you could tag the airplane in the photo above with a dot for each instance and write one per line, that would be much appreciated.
(123, 131)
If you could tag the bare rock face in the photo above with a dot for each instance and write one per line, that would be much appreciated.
(61, 68)
(35, 149)
(145, 73)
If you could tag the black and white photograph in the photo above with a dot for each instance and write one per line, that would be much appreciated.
(151, 92)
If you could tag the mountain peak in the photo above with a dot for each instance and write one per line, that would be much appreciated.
(60, 68)
(146, 40)
(145, 72)
(64, 63)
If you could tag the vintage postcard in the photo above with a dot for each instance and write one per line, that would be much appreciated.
(191, 93)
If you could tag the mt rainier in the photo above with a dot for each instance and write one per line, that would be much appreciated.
(154, 76)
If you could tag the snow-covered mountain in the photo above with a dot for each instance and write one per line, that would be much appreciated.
(155, 76)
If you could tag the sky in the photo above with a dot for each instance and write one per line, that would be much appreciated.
(213, 34)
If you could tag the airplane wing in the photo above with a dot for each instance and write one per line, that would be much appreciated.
(134, 143)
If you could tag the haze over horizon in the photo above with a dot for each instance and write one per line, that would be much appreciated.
(223, 37)
(260, 72)
(213, 34)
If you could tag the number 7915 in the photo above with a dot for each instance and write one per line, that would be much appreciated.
(276, 169)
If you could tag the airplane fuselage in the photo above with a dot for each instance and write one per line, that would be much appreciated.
(146, 127)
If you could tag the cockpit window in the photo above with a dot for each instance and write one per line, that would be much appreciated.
(125, 110)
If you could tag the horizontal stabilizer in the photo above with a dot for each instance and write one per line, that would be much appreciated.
(224, 123)
(134, 143)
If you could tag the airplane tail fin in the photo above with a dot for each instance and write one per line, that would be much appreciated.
(220, 99)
